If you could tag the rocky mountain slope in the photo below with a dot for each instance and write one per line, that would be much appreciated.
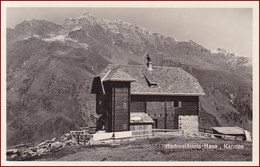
(50, 69)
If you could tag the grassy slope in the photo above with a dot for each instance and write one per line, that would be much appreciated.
(48, 94)
(154, 150)
(221, 88)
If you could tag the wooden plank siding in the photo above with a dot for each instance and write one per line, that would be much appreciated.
(138, 106)
(159, 107)
(156, 111)
(121, 120)
(171, 118)
(118, 94)
(108, 106)
(117, 103)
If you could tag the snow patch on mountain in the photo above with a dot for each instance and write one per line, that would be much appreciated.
(64, 38)
(233, 59)
(77, 28)
(55, 38)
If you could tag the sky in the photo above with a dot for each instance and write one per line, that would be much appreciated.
(228, 28)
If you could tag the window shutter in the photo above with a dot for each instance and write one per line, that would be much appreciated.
(179, 103)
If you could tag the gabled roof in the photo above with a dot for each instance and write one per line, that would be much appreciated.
(159, 81)
(116, 74)
(140, 118)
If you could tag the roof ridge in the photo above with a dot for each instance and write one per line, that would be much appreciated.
(114, 70)
(142, 66)
(105, 75)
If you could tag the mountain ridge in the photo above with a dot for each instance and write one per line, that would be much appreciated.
(232, 58)
(50, 69)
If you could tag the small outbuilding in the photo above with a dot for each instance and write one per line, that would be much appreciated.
(232, 131)
(141, 124)
(168, 97)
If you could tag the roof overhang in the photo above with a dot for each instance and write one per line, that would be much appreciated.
(119, 80)
(168, 94)
(140, 118)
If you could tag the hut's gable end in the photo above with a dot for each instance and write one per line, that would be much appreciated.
(97, 86)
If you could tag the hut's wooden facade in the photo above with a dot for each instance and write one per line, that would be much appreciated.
(163, 93)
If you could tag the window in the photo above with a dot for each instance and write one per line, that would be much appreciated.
(155, 125)
(177, 104)
(173, 104)
(150, 83)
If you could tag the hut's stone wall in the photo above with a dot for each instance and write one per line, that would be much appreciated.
(189, 123)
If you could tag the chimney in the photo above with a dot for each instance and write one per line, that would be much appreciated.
(149, 63)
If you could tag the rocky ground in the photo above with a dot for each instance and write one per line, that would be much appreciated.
(25, 152)
(157, 149)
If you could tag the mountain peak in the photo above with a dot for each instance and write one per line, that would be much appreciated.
(220, 50)
(226, 53)
(232, 58)
(34, 27)
(34, 22)
(86, 14)
(192, 42)
(85, 19)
